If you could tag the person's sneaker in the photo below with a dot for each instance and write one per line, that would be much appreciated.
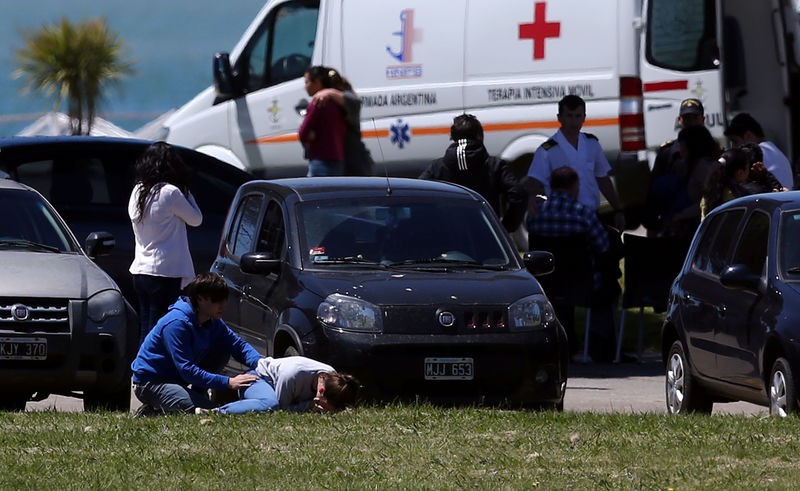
(146, 410)
(201, 410)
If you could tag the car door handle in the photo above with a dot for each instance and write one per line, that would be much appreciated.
(301, 107)
(721, 310)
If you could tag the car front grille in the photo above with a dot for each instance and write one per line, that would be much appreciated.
(34, 315)
(466, 319)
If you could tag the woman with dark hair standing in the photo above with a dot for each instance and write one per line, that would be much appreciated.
(357, 159)
(323, 128)
(160, 207)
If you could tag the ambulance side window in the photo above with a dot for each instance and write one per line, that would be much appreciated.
(681, 35)
(282, 47)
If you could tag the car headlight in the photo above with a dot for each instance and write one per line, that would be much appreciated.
(529, 313)
(348, 313)
(107, 303)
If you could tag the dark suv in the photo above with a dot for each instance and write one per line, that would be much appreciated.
(64, 325)
(413, 286)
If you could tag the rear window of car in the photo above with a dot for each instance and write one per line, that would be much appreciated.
(393, 230)
(31, 222)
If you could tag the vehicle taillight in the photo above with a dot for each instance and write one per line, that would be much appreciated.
(631, 118)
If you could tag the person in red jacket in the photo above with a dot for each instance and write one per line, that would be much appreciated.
(323, 128)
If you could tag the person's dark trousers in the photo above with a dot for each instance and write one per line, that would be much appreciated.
(155, 294)
(565, 313)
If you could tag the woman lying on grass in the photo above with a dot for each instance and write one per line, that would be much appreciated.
(296, 384)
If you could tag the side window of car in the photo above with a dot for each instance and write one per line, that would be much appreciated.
(752, 248)
(714, 249)
(271, 238)
(245, 222)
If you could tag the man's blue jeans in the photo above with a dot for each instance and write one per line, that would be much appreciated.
(259, 397)
(171, 397)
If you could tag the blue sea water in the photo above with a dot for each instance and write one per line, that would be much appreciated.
(171, 43)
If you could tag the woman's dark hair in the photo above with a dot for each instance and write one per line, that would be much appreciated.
(323, 74)
(722, 177)
(209, 285)
(160, 163)
(341, 390)
(338, 81)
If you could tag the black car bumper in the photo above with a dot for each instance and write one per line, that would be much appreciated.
(527, 368)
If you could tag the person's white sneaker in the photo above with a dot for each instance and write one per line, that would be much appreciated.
(201, 410)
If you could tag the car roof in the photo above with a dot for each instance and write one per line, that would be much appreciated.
(765, 201)
(11, 184)
(315, 188)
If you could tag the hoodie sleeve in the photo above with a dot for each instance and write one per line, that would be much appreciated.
(515, 196)
(178, 338)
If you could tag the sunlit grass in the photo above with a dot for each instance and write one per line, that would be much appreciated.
(398, 446)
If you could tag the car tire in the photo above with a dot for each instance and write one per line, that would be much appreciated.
(681, 392)
(290, 351)
(782, 391)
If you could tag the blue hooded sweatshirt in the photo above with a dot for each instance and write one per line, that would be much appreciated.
(170, 352)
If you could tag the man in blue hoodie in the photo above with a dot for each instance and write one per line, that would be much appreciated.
(183, 349)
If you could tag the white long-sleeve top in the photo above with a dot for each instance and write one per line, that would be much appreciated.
(162, 248)
(291, 377)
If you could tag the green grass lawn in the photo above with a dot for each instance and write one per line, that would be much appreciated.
(398, 447)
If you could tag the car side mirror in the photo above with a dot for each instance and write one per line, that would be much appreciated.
(739, 277)
(223, 76)
(99, 244)
(539, 263)
(260, 263)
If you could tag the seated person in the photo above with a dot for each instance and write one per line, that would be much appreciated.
(183, 349)
(296, 384)
(562, 215)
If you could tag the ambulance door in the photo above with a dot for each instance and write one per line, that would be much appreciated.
(270, 69)
(759, 64)
(680, 58)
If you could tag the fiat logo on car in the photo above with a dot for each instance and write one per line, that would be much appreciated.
(447, 319)
(20, 312)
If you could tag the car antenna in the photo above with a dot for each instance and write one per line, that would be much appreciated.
(383, 159)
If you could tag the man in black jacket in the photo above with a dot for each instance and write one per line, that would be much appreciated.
(466, 162)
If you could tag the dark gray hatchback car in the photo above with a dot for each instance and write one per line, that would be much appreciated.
(64, 324)
(412, 286)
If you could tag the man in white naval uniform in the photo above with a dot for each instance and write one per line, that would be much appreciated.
(580, 151)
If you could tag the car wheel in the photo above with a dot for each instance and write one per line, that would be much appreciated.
(782, 393)
(291, 351)
(682, 396)
(13, 401)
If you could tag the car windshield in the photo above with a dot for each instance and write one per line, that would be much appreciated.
(27, 223)
(393, 232)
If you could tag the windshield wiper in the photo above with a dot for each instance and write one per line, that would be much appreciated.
(443, 261)
(27, 244)
(348, 260)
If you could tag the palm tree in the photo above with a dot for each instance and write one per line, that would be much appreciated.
(73, 63)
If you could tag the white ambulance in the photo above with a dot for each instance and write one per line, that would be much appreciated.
(418, 63)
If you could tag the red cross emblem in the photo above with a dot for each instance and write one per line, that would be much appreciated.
(539, 30)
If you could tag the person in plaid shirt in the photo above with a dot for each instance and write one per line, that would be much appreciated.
(562, 215)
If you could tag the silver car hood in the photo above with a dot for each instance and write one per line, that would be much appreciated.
(50, 275)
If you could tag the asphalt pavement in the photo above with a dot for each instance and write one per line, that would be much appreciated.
(636, 387)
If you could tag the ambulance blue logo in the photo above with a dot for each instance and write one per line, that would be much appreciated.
(409, 35)
(400, 133)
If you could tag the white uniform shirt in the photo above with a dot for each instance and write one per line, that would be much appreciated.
(588, 160)
(777, 163)
(162, 248)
